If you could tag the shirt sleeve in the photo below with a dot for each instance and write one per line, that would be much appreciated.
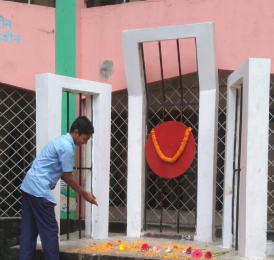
(66, 156)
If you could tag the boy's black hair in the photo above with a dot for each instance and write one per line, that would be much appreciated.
(83, 124)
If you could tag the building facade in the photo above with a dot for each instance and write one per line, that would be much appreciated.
(83, 39)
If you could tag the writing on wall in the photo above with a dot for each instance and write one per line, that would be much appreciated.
(8, 36)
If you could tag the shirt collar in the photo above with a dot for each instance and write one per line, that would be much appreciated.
(69, 137)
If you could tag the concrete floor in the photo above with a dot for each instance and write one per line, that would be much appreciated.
(93, 249)
(90, 248)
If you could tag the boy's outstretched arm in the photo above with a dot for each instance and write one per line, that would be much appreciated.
(88, 196)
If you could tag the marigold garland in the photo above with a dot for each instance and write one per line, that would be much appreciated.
(179, 151)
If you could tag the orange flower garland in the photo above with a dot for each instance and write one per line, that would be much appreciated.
(179, 151)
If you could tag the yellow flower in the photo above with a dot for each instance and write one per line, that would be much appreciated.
(122, 247)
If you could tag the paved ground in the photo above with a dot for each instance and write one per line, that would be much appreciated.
(110, 249)
(131, 247)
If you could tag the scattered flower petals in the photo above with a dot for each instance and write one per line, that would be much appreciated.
(108, 245)
(208, 255)
(94, 243)
(122, 247)
(157, 248)
(168, 250)
(174, 246)
(119, 241)
(197, 254)
(145, 247)
(189, 250)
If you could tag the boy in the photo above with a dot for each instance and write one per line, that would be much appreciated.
(55, 161)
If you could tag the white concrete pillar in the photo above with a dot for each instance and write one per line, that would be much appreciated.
(48, 122)
(101, 162)
(228, 175)
(207, 135)
(49, 89)
(208, 79)
(254, 75)
(136, 178)
(88, 173)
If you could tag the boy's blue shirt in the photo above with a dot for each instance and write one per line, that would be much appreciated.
(54, 159)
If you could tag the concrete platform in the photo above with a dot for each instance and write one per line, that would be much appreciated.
(91, 249)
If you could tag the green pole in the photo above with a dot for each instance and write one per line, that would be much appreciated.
(65, 56)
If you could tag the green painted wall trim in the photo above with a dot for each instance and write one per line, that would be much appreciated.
(66, 51)
(65, 56)
(66, 37)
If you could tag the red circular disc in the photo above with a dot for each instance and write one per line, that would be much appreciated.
(169, 136)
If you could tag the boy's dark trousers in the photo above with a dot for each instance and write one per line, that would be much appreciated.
(38, 217)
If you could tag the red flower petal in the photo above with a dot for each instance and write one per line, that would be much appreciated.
(197, 254)
(208, 255)
(189, 250)
(145, 247)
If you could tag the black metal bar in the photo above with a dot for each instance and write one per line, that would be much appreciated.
(239, 168)
(196, 195)
(178, 203)
(180, 80)
(146, 197)
(80, 173)
(234, 161)
(146, 166)
(67, 184)
(91, 112)
(181, 119)
(144, 69)
(161, 214)
(164, 110)
(162, 80)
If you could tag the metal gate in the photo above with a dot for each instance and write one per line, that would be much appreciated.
(118, 157)
(270, 193)
(17, 142)
(186, 184)
(171, 203)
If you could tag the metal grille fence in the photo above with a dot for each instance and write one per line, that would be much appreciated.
(17, 142)
(223, 75)
(178, 202)
(270, 211)
(185, 184)
(17, 151)
(118, 156)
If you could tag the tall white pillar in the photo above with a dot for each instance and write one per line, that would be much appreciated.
(208, 81)
(49, 89)
(254, 75)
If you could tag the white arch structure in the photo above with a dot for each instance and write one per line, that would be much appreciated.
(49, 89)
(254, 76)
(207, 134)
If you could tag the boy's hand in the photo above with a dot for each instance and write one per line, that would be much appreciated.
(90, 198)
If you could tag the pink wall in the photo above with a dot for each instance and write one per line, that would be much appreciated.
(244, 29)
(35, 51)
